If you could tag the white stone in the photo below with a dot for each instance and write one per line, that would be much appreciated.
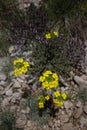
(68, 104)
(79, 104)
(16, 84)
(5, 102)
(16, 97)
(21, 122)
(85, 108)
(78, 112)
(80, 81)
(68, 126)
(3, 77)
(64, 118)
(12, 49)
(2, 83)
(9, 92)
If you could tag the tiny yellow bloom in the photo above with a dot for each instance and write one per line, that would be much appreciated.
(45, 84)
(55, 100)
(42, 78)
(64, 96)
(56, 33)
(55, 76)
(59, 103)
(47, 73)
(47, 98)
(57, 94)
(41, 105)
(48, 36)
(26, 64)
(20, 60)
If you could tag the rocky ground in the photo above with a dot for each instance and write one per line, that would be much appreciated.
(72, 116)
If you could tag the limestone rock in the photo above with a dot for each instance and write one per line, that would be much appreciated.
(5, 102)
(12, 49)
(85, 108)
(21, 121)
(9, 92)
(81, 81)
(68, 104)
(64, 118)
(16, 84)
(16, 97)
(68, 126)
(3, 77)
(83, 121)
(78, 112)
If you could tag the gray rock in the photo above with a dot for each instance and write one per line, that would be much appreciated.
(85, 108)
(16, 97)
(68, 126)
(78, 104)
(25, 111)
(1, 88)
(78, 112)
(68, 104)
(21, 121)
(20, 80)
(83, 121)
(4, 61)
(22, 76)
(9, 92)
(12, 49)
(7, 88)
(64, 118)
(80, 81)
(27, 53)
(5, 102)
(3, 77)
(31, 80)
(3, 83)
(17, 84)
(34, 87)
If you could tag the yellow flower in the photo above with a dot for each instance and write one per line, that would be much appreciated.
(45, 84)
(26, 64)
(16, 72)
(47, 98)
(20, 60)
(60, 103)
(47, 73)
(55, 100)
(41, 105)
(57, 94)
(48, 36)
(55, 76)
(56, 33)
(42, 78)
(64, 96)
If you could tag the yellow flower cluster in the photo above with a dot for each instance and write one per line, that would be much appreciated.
(51, 35)
(20, 66)
(49, 80)
(59, 97)
(42, 100)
